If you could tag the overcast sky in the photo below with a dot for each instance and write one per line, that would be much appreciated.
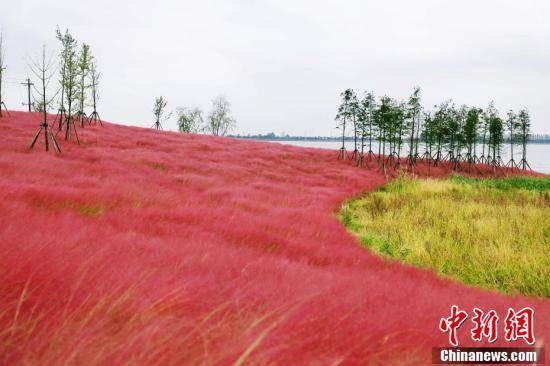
(283, 63)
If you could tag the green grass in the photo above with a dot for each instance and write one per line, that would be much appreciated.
(525, 183)
(484, 232)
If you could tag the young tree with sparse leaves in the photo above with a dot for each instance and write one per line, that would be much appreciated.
(428, 135)
(460, 138)
(42, 70)
(354, 112)
(84, 60)
(343, 115)
(159, 112)
(94, 85)
(402, 119)
(369, 105)
(511, 126)
(414, 111)
(219, 121)
(365, 123)
(68, 46)
(71, 88)
(524, 126)
(2, 69)
(471, 126)
(439, 129)
(496, 132)
(383, 117)
(190, 120)
(451, 129)
(487, 116)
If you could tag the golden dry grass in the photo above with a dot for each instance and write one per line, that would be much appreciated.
(488, 233)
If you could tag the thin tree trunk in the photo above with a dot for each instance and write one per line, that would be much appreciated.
(1, 90)
(412, 137)
(344, 133)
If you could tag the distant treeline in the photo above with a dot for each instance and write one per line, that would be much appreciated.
(532, 138)
(274, 137)
(537, 138)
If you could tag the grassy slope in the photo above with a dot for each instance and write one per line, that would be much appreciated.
(141, 247)
(490, 233)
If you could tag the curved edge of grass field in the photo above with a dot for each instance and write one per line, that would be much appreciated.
(488, 233)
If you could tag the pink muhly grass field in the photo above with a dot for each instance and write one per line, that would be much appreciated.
(146, 247)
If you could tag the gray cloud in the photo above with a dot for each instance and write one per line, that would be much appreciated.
(283, 63)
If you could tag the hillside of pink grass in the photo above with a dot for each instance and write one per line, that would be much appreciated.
(146, 247)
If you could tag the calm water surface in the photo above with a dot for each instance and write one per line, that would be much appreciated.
(538, 155)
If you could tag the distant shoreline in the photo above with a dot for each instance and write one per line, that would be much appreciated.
(544, 140)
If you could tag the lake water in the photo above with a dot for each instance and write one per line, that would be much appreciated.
(538, 155)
